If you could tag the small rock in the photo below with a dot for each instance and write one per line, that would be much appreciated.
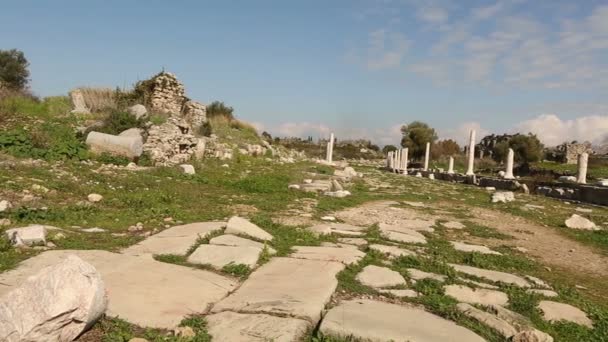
(59, 236)
(51, 245)
(503, 196)
(578, 222)
(294, 186)
(185, 332)
(337, 194)
(5, 222)
(328, 218)
(94, 198)
(490, 188)
(5, 205)
(138, 339)
(453, 225)
(225, 165)
(187, 169)
(546, 293)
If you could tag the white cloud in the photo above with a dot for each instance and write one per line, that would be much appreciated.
(432, 14)
(461, 133)
(300, 129)
(483, 13)
(499, 45)
(385, 49)
(552, 130)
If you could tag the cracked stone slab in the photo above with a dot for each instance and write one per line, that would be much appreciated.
(287, 287)
(476, 296)
(378, 277)
(490, 320)
(241, 226)
(406, 237)
(465, 247)
(237, 241)
(347, 255)
(391, 251)
(237, 327)
(377, 321)
(496, 276)
(220, 256)
(353, 241)
(141, 290)
(555, 312)
(417, 274)
(175, 240)
(453, 225)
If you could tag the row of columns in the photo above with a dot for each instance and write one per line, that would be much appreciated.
(393, 156)
(397, 160)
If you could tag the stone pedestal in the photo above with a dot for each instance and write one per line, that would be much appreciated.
(426, 156)
(451, 166)
(471, 161)
(509, 170)
(581, 176)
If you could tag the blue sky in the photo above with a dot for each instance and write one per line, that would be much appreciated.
(359, 68)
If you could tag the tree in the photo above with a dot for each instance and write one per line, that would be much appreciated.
(14, 73)
(526, 148)
(446, 147)
(388, 148)
(266, 136)
(415, 137)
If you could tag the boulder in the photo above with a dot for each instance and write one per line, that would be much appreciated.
(138, 111)
(56, 304)
(126, 146)
(30, 235)
(337, 194)
(578, 222)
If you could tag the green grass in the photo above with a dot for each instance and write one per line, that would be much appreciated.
(594, 171)
(118, 330)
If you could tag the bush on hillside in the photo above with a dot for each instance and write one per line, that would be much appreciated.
(117, 122)
(51, 141)
(217, 108)
(14, 73)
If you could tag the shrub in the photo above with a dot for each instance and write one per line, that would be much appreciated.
(14, 73)
(217, 108)
(415, 136)
(51, 141)
(118, 121)
(107, 158)
(205, 129)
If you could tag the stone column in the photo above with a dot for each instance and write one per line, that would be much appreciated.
(451, 166)
(389, 155)
(405, 156)
(471, 151)
(426, 156)
(509, 170)
(330, 148)
(582, 168)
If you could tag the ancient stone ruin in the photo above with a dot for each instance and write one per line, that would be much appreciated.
(571, 151)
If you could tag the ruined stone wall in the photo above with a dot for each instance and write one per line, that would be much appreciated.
(167, 94)
(571, 151)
